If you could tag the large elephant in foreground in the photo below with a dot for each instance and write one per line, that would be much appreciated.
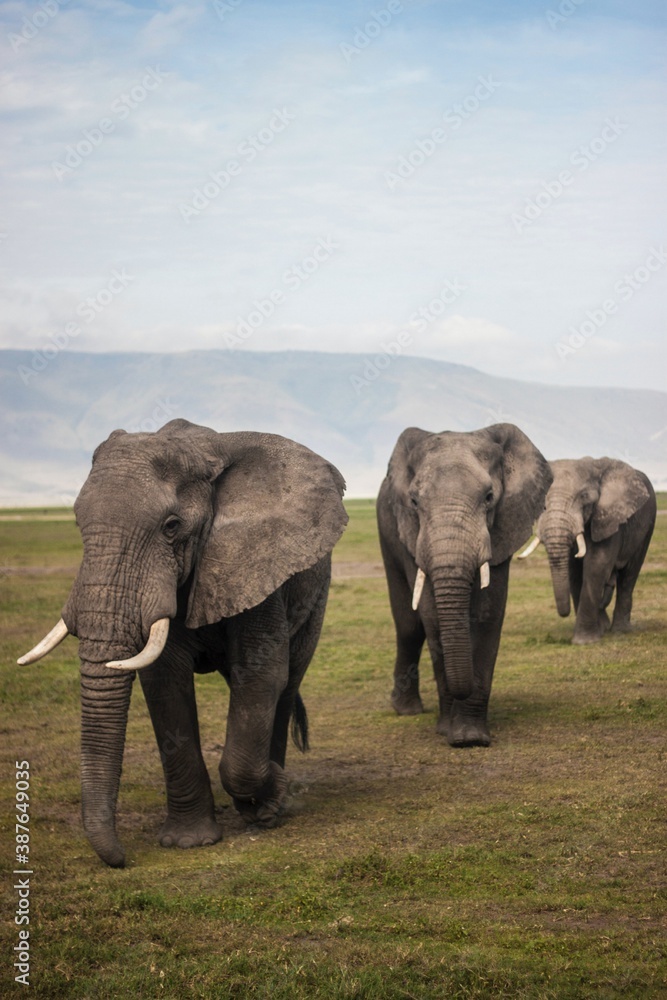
(202, 551)
(452, 510)
(596, 528)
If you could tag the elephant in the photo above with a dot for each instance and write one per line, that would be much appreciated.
(452, 510)
(202, 551)
(596, 528)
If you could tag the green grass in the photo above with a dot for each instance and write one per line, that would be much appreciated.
(360, 541)
(532, 869)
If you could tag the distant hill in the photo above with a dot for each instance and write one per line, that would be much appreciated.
(347, 407)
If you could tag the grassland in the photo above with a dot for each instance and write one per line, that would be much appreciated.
(532, 869)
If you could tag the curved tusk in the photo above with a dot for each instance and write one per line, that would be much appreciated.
(156, 642)
(419, 586)
(484, 576)
(581, 547)
(49, 642)
(529, 548)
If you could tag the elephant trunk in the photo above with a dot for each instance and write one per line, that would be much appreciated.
(111, 609)
(560, 578)
(105, 700)
(558, 529)
(452, 600)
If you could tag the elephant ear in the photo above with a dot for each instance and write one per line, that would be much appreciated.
(277, 510)
(623, 491)
(400, 474)
(526, 479)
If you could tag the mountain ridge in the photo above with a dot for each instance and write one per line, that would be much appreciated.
(348, 407)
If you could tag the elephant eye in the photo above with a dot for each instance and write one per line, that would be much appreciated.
(489, 497)
(170, 527)
(414, 501)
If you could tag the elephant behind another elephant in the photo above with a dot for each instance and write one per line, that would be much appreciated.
(596, 528)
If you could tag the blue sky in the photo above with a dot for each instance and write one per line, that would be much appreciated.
(323, 176)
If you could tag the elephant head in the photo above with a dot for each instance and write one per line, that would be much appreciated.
(589, 498)
(462, 502)
(183, 523)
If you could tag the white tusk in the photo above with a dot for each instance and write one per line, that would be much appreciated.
(529, 548)
(156, 642)
(49, 642)
(484, 576)
(419, 586)
(581, 547)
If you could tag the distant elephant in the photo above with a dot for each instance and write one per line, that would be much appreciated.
(596, 528)
(452, 510)
(202, 551)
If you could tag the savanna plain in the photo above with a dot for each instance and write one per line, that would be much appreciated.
(405, 868)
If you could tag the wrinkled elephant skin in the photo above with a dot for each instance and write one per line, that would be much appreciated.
(613, 508)
(452, 510)
(218, 547)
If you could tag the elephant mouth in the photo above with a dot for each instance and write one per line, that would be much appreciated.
(155, 644)
(420, 580)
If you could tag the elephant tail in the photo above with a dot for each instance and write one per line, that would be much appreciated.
(300, 724)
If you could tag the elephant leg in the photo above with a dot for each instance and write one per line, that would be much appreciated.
(608, 591)
(624, 594)
(445, 700)
(592, 619)
(302, 648)
(259, 659)
(468, 723)
(405, 696)
(623, 608)
(607, 594)
(168, 686)
(410, 636)
(576, 575)
(627, 578)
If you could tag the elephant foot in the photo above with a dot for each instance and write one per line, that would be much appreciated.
(443, 726)
(467, 733)
(267, 810)
(406, 703)
(585, 638)
(265, 814)
(198, 833)
(622, 625)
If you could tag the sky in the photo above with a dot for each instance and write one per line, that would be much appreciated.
(476, 182)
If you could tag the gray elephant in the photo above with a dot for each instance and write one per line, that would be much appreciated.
(452, 510)
(596, 528)
(202, 551)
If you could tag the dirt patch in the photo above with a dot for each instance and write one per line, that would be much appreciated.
(573, 920)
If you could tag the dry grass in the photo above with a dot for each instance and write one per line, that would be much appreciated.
(406, 868)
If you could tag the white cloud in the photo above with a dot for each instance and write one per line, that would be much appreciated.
(166, 28)
(449, 219)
